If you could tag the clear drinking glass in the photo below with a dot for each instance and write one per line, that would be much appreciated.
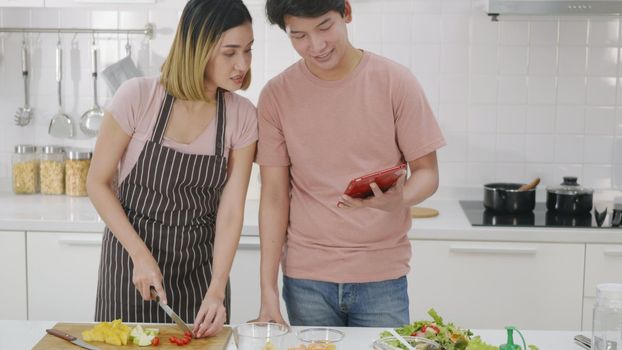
(607, 321)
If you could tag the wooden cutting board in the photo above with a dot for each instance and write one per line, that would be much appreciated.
(217, 342)
(421, 212)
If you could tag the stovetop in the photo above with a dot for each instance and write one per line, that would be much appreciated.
(540, 217)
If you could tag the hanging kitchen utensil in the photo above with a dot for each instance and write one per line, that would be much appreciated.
(569, 198)
(122, 70)
(24, 114)
(506, 198)
(61, 124)
(91, 120)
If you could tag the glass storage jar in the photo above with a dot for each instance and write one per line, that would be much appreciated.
(607, 321)
(76, 169)
(52, 170)
(25, 169)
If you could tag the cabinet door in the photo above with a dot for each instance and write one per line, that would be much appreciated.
(588, 313)
(244, 277)
(245, 282)
(603, 263)
(62, 275)
(21, 3)
(490, 285)
(13, 276)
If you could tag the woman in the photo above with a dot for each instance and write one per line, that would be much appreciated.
(182, 146)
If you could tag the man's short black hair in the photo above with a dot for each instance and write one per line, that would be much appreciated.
(276, 10)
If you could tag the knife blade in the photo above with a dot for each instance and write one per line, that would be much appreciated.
(180, 323)
(70, 338)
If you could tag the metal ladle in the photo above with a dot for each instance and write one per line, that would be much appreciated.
(91, 120)
(60, 125)
(23, 115)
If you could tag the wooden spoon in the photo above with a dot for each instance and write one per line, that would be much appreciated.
(532, 184)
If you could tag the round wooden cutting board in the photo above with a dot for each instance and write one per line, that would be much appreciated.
(421, 212)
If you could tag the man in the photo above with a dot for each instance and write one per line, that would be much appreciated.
(337, 114)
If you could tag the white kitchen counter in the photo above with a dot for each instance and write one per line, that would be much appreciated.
(77, 214)
(18, 335)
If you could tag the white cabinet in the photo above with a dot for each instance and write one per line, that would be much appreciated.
(62, 275)
(489, 285)
(244, 278)
(245, 282)
(13, 275)
(603, 264)
(21, 3)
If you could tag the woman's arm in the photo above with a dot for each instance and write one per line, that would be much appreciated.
(110, 147)
(212, 315)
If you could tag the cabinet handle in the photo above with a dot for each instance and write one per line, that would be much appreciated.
(81, 241)
(613, 252)
(249, 243)
(493, 250)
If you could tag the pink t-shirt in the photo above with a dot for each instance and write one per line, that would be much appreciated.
(329, 132)
(135, 107)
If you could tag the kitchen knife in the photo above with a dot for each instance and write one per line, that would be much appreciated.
(180, 323)
(70, 338)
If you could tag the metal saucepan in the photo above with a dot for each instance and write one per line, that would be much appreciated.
(569, 197)
(506, 198)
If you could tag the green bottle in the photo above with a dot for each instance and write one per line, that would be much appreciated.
(509, 345)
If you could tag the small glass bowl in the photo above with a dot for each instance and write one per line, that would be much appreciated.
(419, 343)
(260, 336)
(321, 338)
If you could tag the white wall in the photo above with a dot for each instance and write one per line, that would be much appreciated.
(516, 99)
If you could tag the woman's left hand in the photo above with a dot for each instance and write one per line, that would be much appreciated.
(210, 318)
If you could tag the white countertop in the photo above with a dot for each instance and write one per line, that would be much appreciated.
(18, 335)
(77, 214)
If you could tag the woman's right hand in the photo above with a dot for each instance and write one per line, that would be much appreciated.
(146, 274)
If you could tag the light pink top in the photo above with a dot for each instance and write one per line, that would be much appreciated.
(136, 104)
(329, 132)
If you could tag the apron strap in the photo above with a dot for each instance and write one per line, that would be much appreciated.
(162, 122)
(221, 114)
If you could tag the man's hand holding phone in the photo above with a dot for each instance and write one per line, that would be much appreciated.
(390, 200)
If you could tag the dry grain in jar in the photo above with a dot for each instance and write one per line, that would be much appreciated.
(52, 170)
(76, 170)
(25, 169)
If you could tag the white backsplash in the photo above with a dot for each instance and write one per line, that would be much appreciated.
(516, 99)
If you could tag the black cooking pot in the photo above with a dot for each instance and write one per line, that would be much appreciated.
(569, 197)
(505, 198)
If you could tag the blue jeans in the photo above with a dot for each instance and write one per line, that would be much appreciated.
(371, 304)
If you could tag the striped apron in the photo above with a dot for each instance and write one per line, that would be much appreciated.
(171, 199)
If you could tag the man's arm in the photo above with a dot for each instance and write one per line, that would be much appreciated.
(423, 180)
(273, 221)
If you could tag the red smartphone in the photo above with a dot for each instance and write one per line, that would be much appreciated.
(359, 187)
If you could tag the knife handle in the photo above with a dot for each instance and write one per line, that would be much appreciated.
(61, 334)
(154, 294)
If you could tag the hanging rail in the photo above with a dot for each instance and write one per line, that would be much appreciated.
(147, 31)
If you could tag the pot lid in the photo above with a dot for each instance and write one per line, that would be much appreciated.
(570, 187)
